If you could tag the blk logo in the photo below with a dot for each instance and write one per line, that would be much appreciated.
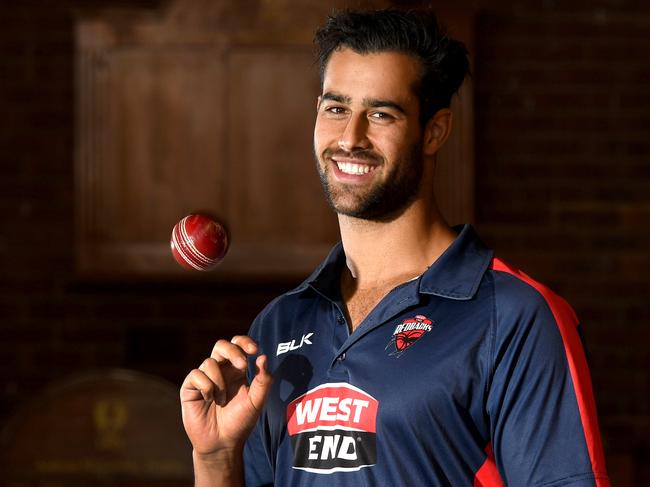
(284, 347)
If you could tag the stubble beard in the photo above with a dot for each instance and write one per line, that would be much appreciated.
(385, 200)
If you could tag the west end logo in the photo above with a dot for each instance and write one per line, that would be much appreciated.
(407, 333)
(333, 428)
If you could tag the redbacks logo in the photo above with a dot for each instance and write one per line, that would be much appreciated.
(333, 429)
(407, 333)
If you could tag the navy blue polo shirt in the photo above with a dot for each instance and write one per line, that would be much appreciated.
(473, 374)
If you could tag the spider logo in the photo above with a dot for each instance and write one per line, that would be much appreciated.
(407, 333)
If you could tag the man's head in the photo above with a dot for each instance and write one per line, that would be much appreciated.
(443, 61)
(378, 117)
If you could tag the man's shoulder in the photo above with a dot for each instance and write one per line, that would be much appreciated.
(516, 291)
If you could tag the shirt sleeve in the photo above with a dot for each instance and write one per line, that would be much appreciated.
(542, 412)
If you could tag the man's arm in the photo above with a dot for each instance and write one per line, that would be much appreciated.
(220, 410)
(220, 469)
(540, 403)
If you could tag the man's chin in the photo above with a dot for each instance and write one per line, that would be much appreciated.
(363, 204)
(370, 213)
(347, 206)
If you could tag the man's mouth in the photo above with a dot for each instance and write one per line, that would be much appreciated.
(354, 168)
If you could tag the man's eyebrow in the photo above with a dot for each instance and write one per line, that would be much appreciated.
(376, 103)
(367, 102)
(336, 97)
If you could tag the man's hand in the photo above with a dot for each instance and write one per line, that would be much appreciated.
(219, 408)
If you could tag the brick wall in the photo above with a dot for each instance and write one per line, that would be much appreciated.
(563, 177)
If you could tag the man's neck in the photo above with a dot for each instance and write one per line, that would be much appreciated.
(394, 251)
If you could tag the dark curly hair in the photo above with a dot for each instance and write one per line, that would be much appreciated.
(417, 33)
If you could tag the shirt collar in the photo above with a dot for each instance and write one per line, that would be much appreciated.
(326, 278)
(456, 274)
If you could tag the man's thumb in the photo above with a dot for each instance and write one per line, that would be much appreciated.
(261, 384)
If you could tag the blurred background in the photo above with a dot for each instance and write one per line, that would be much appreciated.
(97, 325)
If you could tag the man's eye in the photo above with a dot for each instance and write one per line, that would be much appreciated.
(381, 116)
(335, 110)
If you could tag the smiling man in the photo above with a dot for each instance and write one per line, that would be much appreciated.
(411, 356)
(369, 137)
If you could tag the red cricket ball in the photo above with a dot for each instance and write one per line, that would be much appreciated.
(198, 242)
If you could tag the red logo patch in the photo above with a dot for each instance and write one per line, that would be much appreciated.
(333, 428)
(407, 333)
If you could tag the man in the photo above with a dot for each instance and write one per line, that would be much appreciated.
(411, 356)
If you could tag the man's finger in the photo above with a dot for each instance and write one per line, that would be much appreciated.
(197, 385)
(210, 367)
(226, 351)
(246, 343)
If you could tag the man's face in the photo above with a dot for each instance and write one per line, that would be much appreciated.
(367, 138)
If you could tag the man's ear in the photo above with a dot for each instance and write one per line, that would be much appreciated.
(436, 131)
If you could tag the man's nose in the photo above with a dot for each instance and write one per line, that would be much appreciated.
(355, 136)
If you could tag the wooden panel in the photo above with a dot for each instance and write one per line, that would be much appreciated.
(275, 191)
(165, 147)
(210, 105)
(277, 213)
(155, 128)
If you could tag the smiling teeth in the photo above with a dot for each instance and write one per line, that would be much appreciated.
(356, 169)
